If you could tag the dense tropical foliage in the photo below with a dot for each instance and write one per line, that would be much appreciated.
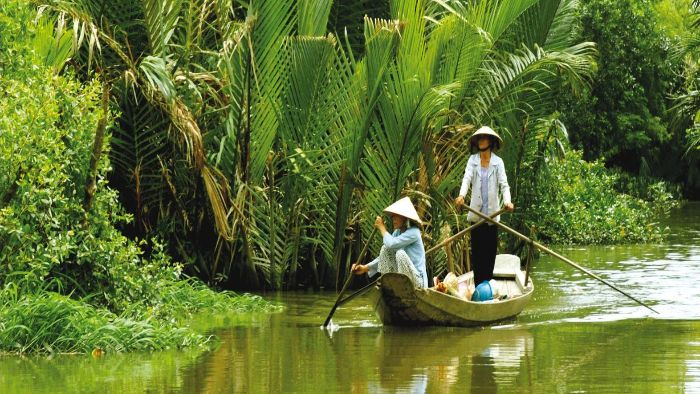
(70, 281)
(260, 145)
(579, 203)
(252, 143)
(687, 108)
(623, 118)
(627, 98)
(258, 139)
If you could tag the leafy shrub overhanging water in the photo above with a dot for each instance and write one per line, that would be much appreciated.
(579, 202)
(69, 280)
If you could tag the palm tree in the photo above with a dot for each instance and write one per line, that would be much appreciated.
(261, 146)
(466, 68)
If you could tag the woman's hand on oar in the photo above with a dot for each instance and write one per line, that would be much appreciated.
(359, 269)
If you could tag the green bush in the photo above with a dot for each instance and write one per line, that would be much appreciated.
(121, 299)
(48, 124)
(621, 116)
(578, 202)
(69, 280)
(660, 195)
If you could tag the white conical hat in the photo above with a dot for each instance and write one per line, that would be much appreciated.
(405, 208)
(486, 130)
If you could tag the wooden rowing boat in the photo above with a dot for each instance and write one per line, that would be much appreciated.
(400, 304)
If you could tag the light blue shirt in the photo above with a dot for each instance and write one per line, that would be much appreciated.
(484, 173)
(411, 243)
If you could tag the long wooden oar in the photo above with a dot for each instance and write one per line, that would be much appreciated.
(557, 255)
(461, 233)
(359, 292)
(349, 279)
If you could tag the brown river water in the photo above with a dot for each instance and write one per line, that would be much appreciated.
(575, 336)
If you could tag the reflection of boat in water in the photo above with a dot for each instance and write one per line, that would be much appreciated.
(439, 360)
(433, 345)
(400, 304)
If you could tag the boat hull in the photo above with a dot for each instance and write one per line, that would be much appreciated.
(400, 304)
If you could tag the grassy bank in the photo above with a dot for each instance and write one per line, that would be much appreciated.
(46, 322)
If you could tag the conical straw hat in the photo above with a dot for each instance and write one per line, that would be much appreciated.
(405, 208)
(486, 130)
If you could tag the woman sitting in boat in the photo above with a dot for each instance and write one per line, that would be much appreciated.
(403, 250)
(486, 176)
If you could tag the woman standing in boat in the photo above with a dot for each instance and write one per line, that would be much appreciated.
(486, 176)
(403, 249)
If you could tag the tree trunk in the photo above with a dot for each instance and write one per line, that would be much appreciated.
(91, 183)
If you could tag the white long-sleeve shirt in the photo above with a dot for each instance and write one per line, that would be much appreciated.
(497, 181)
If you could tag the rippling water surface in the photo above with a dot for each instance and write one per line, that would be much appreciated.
(576, 335)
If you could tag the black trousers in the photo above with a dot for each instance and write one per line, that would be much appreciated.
(484, 240)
